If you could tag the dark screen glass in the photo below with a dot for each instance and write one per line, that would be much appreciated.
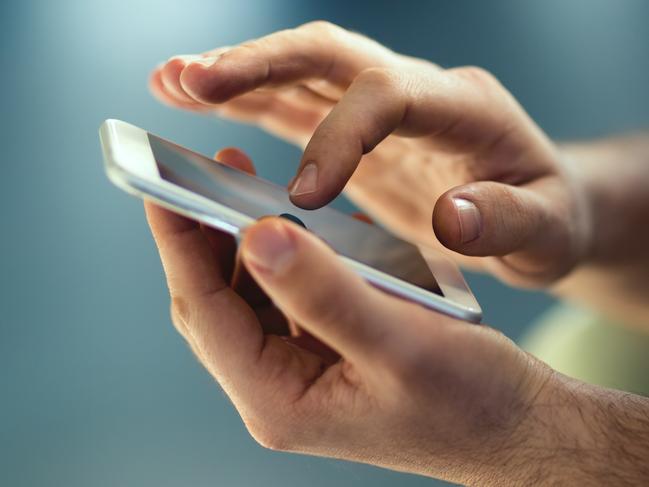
(254, 197)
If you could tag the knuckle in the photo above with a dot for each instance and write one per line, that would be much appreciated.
(379, 78)
(251, 46)
(271, 436)
(477, 75)
(179, 311)
(175, 318)
(321, 27)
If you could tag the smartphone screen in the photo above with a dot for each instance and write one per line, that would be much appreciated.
(256, 198)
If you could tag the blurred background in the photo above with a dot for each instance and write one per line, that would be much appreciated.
(96, 388)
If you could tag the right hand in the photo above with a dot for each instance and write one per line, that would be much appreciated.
(377, 379)
(408, 140)
(372, 378)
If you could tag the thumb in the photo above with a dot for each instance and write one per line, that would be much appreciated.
(312, 285)
(530, 225)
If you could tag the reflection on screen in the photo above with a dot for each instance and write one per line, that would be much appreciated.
(256, 198)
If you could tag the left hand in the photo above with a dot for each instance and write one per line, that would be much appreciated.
(409, 141)
(382, 380)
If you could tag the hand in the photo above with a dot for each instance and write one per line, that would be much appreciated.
(379, 380)
(407, 140)
(373, 379)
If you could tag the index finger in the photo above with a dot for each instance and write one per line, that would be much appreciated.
(461, 111)
(317, 50)
(218, 322)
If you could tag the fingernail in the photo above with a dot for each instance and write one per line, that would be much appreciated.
(269, 248)
(204, 61)
(469, 218)
(307, 180)
(186, 58)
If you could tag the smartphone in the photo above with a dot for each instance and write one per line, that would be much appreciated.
(217, 195)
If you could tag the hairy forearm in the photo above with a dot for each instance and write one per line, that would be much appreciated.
(614, 275)
(580, 434)
(572, 433)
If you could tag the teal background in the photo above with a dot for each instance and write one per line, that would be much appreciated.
(96, 388)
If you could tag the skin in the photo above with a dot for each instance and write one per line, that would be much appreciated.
(376, 379)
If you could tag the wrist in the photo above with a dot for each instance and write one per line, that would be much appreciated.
(537, 447)
(559, 440)
(549, 441)
(583, 434)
